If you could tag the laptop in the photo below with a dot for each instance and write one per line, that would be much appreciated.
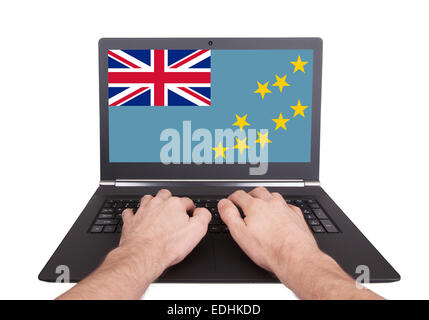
(203, 118)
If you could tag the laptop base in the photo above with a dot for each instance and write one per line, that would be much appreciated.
(217, 258)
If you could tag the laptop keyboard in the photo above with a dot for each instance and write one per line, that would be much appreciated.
(109, 218)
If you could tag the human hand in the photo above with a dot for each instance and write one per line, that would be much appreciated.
(161, 233)
(273, 234)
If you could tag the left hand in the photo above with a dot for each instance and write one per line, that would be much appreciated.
(161, 233)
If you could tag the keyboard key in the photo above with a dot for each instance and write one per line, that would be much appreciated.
(118, 204)
(107, 210)
(318, 229)
(329, 226)
(214, 228)
(96, 229)
(307, 211)
(309, 216)
(314, 205)
(106, 216)
(211, 205)
(105, 222)
(199, 203)
(107, 205)
(313, 222)
(215, 219)
(320, 214)
(109, 229)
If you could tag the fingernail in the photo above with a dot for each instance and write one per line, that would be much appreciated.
(222, 203)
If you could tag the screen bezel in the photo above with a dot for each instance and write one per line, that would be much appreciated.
(276, 170)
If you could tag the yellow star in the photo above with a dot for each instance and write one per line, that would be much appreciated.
(299, 64)
(281, 82)
(241, 122)
(262, 89)
(299, 109)
(280, 122)
(220, 150)
(241, 145)
(263, 139)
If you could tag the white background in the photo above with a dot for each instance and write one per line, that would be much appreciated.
(374, 122)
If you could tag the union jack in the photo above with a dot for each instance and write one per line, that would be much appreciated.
(159, 77)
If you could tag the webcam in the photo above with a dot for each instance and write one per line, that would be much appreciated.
(210, 43)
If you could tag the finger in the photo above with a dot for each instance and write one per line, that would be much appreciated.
(231, 216)
(188, 203)
(261, 193)
(241, 198)
(296, 210)
(202, 216)
(163, 194)
(197, 228)
(300, 216)
(278, 196)
(145, 200)
(236, 225)
(127, 215)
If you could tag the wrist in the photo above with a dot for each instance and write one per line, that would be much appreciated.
(294, 262)
(312, 274)
(135, 262)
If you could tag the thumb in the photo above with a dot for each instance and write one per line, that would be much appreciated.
(127, 215)
(201, 218)
(231, 216)
(197, 228)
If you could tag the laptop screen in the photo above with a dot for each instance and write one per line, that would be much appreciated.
(210, 106)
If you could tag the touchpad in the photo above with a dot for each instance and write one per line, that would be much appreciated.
(199, 265)
(232, 264)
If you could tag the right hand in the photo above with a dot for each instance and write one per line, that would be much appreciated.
(273, 234)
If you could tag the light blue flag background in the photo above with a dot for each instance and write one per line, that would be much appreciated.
(134, 131)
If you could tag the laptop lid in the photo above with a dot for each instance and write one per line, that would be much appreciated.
(219, 108)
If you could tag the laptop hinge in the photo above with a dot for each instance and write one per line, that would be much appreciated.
(107, 182)
(205, 182)
(312, 183)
